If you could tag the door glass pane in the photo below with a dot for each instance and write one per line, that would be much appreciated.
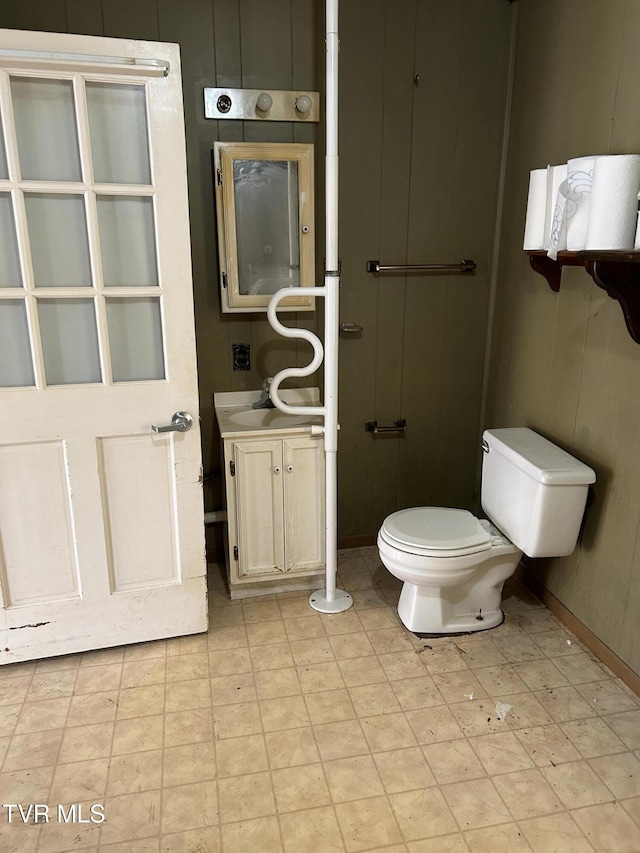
(16, 368)
(59, 243)
(267, 232)
(9, 261)
(45, 122)
(118, 130)
(135, 338)
(4, 171)
(127, 241)
(69, 341)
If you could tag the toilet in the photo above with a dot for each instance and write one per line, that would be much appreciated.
(454, 565)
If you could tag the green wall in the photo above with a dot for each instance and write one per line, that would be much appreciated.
(419, 177)
(564, 364)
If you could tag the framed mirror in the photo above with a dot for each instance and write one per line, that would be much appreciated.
(265, 214)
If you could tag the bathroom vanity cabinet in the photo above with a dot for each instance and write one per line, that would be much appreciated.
(274, 485)
(275, 501)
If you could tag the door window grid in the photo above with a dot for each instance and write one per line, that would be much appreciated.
(4, 173)
(14, 332)
(10, 275)
(12, 185)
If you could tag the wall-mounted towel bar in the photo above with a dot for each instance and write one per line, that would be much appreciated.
(399, 426)
(463, 266)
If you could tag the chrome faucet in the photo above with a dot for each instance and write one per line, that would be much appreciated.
(265, 401)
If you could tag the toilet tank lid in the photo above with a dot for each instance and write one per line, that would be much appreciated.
(542, 460)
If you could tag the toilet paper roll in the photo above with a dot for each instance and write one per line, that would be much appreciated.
(553, 218)
(558, 235)
(536, 210)
(614, 202)
(579, 185)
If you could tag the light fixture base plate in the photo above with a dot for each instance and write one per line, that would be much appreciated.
(242, 104)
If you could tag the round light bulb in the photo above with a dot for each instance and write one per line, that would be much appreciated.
(303, 104)
(264, 102)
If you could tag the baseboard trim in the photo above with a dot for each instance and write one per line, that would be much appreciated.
(357, 541)
(617, 666)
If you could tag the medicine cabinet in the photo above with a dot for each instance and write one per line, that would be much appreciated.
(265, 214)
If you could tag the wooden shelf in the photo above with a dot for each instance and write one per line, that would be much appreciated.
(616, 272)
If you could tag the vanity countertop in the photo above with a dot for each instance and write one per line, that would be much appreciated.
(236, 416)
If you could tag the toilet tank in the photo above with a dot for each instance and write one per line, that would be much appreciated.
(533, 491)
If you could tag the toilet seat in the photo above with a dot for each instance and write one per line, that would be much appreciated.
(435, 532)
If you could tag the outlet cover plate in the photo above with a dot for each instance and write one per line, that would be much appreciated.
(241, 356)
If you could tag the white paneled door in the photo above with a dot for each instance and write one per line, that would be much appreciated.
(101, 517)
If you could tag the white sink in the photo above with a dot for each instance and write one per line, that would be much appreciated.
(235, 414)
(269, 419)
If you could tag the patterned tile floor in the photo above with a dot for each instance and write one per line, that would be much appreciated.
(284, 730)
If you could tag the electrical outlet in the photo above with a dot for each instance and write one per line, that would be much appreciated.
(241, 356)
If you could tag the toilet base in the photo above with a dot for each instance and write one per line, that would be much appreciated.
(423, 611)
(433, 635)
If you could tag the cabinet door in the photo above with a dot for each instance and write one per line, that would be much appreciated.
(259, 507)
(304, 503)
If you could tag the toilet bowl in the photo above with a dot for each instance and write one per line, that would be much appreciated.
(454, 565)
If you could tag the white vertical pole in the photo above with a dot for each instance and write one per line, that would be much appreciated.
(331, 600)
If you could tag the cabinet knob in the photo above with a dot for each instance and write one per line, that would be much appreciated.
(277, 469)
(289, 468)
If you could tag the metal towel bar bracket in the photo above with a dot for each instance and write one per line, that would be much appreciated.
(464, 267)
(350, 329)
(400, 426)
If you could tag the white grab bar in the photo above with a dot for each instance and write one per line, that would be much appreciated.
(301, 334)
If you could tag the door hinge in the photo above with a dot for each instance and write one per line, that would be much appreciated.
(232, 468)
(224, 279)
(219, 177)
(235, 552)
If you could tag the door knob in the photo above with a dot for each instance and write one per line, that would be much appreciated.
(180, 422)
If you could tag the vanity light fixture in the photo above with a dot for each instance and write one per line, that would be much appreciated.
(262, 104)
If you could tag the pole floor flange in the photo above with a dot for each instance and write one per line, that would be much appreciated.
(341, 602)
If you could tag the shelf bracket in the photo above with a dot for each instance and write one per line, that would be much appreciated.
(618, 273)
(622, 283)
(547, 268)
